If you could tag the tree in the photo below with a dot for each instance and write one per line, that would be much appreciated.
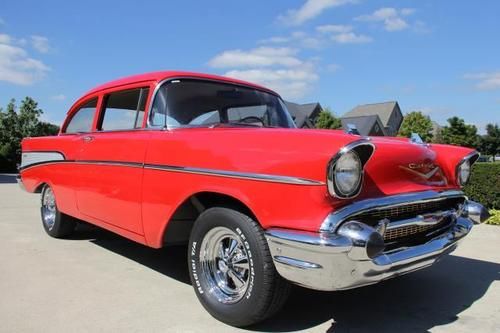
(14, 126)
(416, 122)
(327, 120)
(490, 142)
(459, 133)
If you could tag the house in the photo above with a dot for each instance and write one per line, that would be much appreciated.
(389, 115)
(366, 125)
(304, 115)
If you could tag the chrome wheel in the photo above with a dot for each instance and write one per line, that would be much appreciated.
(224, 264)
(49, 209)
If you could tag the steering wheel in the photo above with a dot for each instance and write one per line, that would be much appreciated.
(252, 120)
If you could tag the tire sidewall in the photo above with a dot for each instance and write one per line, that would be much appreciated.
(54, 230)
(248, 306)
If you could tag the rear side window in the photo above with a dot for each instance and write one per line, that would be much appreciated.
(124, 110)
(82, 119)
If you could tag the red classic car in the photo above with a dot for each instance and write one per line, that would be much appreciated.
(177, 157)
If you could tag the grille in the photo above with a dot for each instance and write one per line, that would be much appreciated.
(403, 232)
(410, 210)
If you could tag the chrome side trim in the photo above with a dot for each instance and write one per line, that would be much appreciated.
(37, 157)
(235, 174)
(334, 219)
(199, 171)
(112, 163)
(331, 166)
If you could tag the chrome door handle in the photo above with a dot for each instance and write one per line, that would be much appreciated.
(87, 138)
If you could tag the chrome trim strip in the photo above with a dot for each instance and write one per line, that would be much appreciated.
(235, 174)
(38, 157)
(199, 171)
(112, 163)
(331, 166)
(473, 156)
(296, 263)
(334, 219)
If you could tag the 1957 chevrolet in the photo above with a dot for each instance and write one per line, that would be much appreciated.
(176, 157)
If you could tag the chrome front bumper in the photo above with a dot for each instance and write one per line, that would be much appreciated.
(335, 261)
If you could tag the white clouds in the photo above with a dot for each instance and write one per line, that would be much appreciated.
(5, 39)
(343, 34)
(351, 38)
(16, 66)
(334, 28)
(485, 80)
(278, 68)
(333, 67)
(261, 57)
(392, 18)
(290, 83)
(40, 43)
(309, 10)
(59, 97)
(297, 38)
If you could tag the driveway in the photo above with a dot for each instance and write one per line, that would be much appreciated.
(97, 281)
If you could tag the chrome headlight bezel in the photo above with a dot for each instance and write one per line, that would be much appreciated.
(465, 166)
(360, 151)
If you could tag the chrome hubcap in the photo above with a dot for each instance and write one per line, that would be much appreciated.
(224, 264)
(48, 208)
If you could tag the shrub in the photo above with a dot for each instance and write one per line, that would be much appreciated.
(495, 217)
(484, 185)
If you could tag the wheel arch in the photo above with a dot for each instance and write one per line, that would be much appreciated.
(179, 226)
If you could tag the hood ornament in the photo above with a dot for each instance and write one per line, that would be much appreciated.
(417, 139)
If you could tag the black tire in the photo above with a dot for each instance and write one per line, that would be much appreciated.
(61, 225)
(266, 290)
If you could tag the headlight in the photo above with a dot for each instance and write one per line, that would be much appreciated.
(347, 173)
(345, 170)
(463, 172)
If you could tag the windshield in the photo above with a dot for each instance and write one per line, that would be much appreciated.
(197, 103)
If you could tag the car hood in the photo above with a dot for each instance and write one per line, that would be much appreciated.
(397, 165)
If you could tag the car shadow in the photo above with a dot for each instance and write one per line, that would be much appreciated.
(416, 302)
(6, 178)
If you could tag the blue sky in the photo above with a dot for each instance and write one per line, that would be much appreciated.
(440, 57)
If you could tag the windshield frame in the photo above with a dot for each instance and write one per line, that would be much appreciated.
(170, 80)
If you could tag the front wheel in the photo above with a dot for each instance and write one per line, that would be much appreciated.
(55, 223)
(231, 268)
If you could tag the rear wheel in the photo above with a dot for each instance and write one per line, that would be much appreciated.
(231, 268)
(54, 222)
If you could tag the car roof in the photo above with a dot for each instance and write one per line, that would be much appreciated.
(163, 75)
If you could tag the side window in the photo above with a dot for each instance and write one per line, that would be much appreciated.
(82, 119)
(124, 110)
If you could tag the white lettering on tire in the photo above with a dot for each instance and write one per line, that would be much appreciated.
(193, 269)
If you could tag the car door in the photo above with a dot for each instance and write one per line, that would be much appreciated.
(111, 161)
